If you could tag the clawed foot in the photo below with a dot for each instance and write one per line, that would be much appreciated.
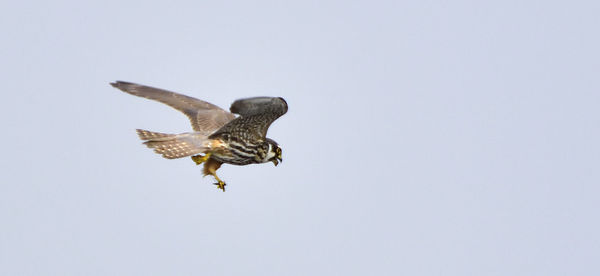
(199, 159)
(221, 185)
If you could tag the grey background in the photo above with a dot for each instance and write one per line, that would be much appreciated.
(422, 138)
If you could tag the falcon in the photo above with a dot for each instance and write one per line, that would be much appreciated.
(219, 136)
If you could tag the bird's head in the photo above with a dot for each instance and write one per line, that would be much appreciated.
(274, 152)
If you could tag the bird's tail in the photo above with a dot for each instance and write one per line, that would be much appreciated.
(173, 146)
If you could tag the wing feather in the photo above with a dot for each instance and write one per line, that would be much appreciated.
(204, 117)
(256, 115)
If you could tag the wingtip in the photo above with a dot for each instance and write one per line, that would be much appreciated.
(284, 101)
(119, 84)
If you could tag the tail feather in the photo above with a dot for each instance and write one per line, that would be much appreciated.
(173, 146)
(149, 135)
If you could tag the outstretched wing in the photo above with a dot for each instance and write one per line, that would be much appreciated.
(256, 115)
(205, 117)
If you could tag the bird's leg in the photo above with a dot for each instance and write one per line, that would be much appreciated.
(210, 167)
(199, 159)
(220, 184)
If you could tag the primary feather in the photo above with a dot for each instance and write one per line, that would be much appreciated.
(204, 117)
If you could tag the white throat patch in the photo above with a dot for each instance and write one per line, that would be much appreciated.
(270, 154)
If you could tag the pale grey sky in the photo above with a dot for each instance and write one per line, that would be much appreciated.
(422, 138)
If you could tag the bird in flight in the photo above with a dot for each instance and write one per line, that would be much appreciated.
(219, 136)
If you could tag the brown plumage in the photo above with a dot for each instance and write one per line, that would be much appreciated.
(211, 166)
(218, 134)
(172, 146)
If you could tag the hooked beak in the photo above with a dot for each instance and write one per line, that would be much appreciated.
(276, 160)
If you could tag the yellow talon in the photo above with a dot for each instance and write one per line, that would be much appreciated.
(221, 185)
(199, 159)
